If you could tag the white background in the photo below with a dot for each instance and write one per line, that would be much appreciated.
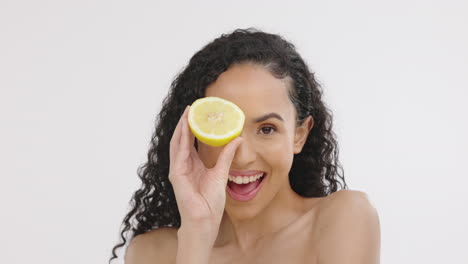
(82, 82)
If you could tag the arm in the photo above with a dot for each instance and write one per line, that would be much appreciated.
(350, 230)
(194, 246)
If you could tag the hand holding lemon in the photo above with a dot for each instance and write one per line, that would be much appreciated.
(201, 192)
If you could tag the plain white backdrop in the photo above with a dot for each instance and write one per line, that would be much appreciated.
(82, 82)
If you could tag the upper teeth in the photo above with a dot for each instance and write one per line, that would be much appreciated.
(245, 179)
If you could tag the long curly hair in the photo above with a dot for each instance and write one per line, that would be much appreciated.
(315, 170)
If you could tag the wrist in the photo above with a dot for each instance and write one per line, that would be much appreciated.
(199, 232)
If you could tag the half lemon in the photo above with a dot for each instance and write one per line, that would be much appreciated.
(215, 121)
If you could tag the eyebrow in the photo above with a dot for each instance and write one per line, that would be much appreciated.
(266, 117)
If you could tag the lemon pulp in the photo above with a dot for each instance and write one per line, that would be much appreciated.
(215, 121)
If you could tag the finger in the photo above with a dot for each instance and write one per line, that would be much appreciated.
(192, 142)
(225, 158)
(175, 140)
(191, 137)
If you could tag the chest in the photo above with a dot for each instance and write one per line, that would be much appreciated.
(296, 245)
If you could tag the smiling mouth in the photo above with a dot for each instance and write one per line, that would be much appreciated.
(245, 191)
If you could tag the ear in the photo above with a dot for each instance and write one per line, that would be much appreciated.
(302, 132)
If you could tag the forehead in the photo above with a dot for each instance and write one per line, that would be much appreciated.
(254, 89)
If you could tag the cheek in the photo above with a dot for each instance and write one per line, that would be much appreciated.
(279, 154)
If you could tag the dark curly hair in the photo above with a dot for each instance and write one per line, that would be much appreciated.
(315, 170)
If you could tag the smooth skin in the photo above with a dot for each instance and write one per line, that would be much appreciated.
(277, 226)
(346, 230)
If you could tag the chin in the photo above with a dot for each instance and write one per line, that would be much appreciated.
(242, 212)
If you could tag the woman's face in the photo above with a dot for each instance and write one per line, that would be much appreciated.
(268, 144)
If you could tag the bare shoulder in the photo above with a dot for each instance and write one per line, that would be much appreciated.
(348, 228)
(343, 199)
(345, 207)
(155, 246)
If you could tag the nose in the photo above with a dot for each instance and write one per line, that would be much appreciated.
(245, 154)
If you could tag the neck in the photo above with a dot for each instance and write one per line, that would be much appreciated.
(244, 227)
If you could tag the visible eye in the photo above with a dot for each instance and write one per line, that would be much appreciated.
(267, 129)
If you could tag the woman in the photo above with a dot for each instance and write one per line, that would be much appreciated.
(184, 212)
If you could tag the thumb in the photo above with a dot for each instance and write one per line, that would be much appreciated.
(225, 158)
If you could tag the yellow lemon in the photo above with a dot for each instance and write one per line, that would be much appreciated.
(215, 121)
